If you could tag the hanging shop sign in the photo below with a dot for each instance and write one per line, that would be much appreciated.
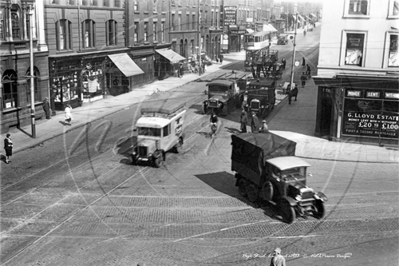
(230, 15)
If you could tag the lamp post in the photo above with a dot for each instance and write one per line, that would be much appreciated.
(32, 73)
(199, 38)
(293, 54)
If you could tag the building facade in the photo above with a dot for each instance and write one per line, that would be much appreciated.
(85, 40)
(21, 20)
(358, 70)
(242, 16)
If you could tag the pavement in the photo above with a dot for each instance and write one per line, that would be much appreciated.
(292, 121)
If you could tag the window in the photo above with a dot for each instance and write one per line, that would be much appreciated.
(146, 31)
(136, 32)
(393, 51)
(357, 7)
(155, 31)
(166, 130)
(393, 9)
(117, 3)
(16, 22)
(155, 6)
(179, 22)
(193, 22)
(10, 93)
(111, 28)
(187, 21)
(136, 5)
(88, 31)
(2, 37)
(162, 31)
(173, 22)
(63, 32)
(35, 86)
(354, 49)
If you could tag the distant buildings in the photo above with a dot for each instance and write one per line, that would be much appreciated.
(358, 71)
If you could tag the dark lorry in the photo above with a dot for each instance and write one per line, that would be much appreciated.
(260, 97)
(267, 169)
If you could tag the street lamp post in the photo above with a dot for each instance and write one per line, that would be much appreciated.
(32, 74)
(199, 38)
(293, 55)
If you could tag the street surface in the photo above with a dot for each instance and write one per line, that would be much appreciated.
(77, 200)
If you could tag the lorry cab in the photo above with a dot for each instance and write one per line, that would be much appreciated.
(220, 92)
(159, 130)
(260, 97)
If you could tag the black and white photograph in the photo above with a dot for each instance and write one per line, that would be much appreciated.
(199, 132)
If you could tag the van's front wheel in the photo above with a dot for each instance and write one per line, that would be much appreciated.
(157, 159)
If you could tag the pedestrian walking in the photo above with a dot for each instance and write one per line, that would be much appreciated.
(303, 79)
(181, 70)
(68, 114)
(264, 128)
(303, 62)
(216, 59)
(46, 108)
(277, 259)
(243, 121)
(308, 70)
(254, 123)
(221, 58)
(8, 145)
(304, 32)
(283, 62)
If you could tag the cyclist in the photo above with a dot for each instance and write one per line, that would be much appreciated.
(214, 123)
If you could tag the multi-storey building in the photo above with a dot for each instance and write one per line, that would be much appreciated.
(87, 47)
(20, 20)
(358, 70)
(242, 16)
(185, 27)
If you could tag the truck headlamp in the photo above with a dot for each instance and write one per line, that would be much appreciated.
(298, 197)
(134, 152)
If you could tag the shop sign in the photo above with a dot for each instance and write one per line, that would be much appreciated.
(364, 118)
(391, 95)
(352, 93)
(230, 15)
(373, 94)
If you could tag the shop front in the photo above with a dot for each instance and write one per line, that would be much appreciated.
(363, 109)
(75, 80)
(167, 63)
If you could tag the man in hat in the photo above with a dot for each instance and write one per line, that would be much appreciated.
(243, 121)
(277, 259)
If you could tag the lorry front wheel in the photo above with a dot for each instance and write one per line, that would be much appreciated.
(319, 209)
(286, 211)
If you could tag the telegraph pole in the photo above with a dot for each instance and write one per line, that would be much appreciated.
(32, 74)
(199, 38)
(293, 54)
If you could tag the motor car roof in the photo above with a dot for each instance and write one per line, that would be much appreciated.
(287, 162)
(152, 122)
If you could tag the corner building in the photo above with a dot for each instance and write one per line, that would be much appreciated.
(357, 76)
(16, 18)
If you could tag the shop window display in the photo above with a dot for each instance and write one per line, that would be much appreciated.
(92, 77)
(66, 90)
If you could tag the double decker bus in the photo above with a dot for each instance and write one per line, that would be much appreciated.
(257, 50)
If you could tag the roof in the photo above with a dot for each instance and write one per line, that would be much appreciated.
(287, 162)
(258, 33)
(223, 82)
(152, 122)
(166, 106)
(270, 144)
(269, 27)
(263, 82)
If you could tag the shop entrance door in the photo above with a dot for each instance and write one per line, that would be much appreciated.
(326, 112)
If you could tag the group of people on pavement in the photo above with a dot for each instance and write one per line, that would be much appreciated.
(255, 128)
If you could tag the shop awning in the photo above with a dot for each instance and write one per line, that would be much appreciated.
(300, 17)
(269, 27)
(249, 30)
(171, 55)
(313, 15)
(125, 64)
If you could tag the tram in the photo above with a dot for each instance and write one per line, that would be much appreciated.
(257, 50)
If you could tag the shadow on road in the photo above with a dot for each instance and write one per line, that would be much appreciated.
(224, 182)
